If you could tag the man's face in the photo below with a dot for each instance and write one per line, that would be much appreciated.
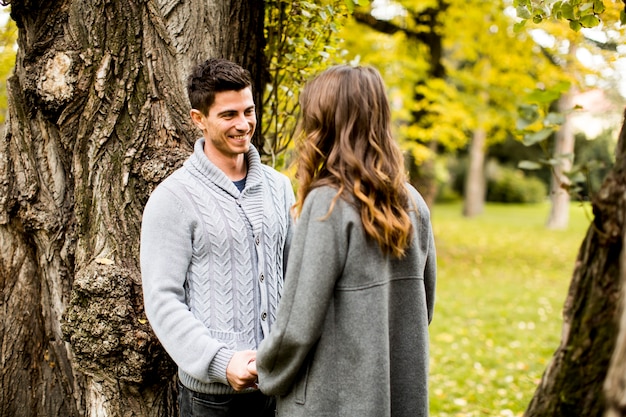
(230, 124)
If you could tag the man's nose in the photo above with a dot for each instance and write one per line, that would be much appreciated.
(242, 122)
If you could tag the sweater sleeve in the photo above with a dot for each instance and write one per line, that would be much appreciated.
(167, 233)
(290, 200)
(315, 262)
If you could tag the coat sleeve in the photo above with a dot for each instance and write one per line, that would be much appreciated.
(430, 273)
(316, 258)
(426, 240)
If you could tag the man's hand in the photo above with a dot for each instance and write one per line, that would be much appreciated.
(252, 368)
(237, 373)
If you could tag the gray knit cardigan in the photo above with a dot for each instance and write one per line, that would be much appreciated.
(351, 336)
(212, 262)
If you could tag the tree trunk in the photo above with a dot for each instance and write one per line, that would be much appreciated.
(98, 116)
(564, 154)
(474, 199)
(423, 177)
(586, 376)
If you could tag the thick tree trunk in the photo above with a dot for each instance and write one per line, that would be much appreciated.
(586, 375)
(474, 199)
(564, 154)
(98, 117)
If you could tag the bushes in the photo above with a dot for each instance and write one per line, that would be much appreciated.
(504, 183)
(508, 185)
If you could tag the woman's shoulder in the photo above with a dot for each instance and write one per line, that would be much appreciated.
(319, 200)
(416, 197)
(323, 191)
(323, 202)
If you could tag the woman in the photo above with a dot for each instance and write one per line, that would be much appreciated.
(351, 334)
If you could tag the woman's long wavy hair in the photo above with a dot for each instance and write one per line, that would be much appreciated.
(344, 140)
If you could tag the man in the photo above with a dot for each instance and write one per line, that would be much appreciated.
(214, 241)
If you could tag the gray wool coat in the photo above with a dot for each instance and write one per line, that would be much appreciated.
(351, 333)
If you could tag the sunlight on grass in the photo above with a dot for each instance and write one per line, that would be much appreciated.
(502, 281)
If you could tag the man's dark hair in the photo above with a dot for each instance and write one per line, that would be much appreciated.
(214, 76)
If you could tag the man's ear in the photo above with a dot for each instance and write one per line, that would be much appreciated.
(197, 118)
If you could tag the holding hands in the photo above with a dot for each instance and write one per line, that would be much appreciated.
(241, 371)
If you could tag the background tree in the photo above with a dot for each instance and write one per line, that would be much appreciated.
(461, 72)
(302, 39)
(491, 74)
(556, 137)
(586, 376)
(563, 155)
(420, 24)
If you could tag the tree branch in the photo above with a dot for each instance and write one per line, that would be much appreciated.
(386, 26)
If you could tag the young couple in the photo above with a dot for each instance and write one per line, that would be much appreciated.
(347, 332)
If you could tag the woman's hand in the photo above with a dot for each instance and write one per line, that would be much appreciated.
(241, 370)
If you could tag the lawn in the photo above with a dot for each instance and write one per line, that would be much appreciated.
(502, 281)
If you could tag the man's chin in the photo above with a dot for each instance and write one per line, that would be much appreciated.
(245, 147)
(242, 146)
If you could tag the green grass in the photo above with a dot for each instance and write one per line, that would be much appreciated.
(502, 281)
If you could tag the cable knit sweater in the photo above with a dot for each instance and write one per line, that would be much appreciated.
(212, 262)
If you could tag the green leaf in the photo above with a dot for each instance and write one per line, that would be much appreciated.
(528, 112)
(556, 7)
(568, 11)
(589, 21)
(536, 137)
(543, 96)
(529, 165)
(586, 6)
(523, 12)
(517, 27)
(521, 125)
(575, 25)
(562, 86)
(576, 176)
(598, 6)
(555, 118)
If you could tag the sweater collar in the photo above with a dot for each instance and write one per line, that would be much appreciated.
(201, 164)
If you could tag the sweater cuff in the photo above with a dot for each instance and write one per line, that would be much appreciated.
(217, 367)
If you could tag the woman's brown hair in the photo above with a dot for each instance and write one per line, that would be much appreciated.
(344, 140)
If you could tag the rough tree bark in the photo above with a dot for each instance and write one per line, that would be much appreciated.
(98, 117)
(586, 376)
